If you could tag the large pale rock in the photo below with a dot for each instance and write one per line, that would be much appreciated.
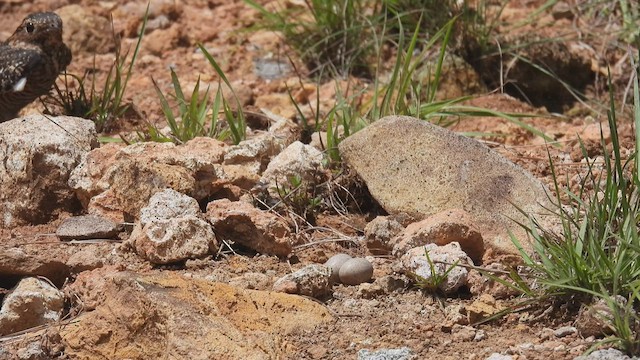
(171, 229)
(255, 229)
(37, 155)
(191, 319)
(33, 302)
(122, 180)
(415, 167)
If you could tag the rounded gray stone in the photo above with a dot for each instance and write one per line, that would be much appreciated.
(335, 263)
(355, 271)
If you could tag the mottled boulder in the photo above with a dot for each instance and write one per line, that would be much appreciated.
(412, 166)
(37, 155)
(191, 318)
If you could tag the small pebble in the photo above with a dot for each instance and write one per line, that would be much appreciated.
(480, 335)
(565, 331)
(355, 271)
(386, 354)
(335, 263)
(496, 356)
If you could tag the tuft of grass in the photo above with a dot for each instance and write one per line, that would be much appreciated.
(235, 119)
(193, 118)
(196, 115)
(107, 104)
(300, 197)
(621, 15)
(434, 282)
(596, 251)
(404, 93)
(336, 35)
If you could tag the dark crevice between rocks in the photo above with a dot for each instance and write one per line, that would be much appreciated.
(542, 72)
(55, 272)
(355, 194)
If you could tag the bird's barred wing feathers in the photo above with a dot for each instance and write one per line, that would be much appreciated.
(15, 64)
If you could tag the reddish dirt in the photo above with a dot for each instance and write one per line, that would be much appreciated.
(405, 317)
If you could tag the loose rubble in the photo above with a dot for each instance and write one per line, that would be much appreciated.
(31, 303)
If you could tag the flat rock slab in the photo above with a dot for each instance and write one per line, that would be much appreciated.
(412, 166)
(87, 227)
(167, 316)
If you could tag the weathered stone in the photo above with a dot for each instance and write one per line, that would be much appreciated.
(255, 229)
(386, 354)
(605, 354)
(441, 229)
(37, 154)
(443, 258)
(134, 173)
(90, 287)
(162, 40)
(379, 232)
(412, 166)
(33, 302)
(253, 281)
(564, 331)
(192, 319)
(171, 229)
(355, 271)
(84, 31)
(297, 159)
(87, 227)
(597, 319)
(481, 308)
(312, 280)
(463, 333)
(278, 103)
(258, 151)
(85, 178)
(270, 69)
(56, 263)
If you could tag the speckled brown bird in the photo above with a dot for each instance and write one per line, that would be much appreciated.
(30, 61)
